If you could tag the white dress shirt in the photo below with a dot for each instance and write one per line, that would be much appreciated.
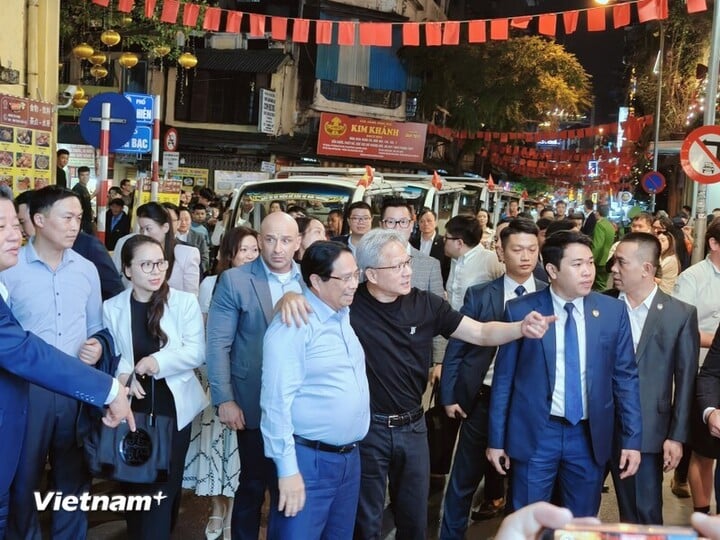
(426, 245)
(638, 315)
(509, 286)
(477, 266)
(558, 396)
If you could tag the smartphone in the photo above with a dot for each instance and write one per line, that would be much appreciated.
(619, 531)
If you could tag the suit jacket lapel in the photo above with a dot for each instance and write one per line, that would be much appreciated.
(545, 307)
(497, 297)
(651, 323)
(259, 282)
(592, 337)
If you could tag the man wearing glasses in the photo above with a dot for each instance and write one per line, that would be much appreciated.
(395, 323)
(315, 403)
(360, 221)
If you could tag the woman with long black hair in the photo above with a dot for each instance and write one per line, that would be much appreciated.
(160, 337)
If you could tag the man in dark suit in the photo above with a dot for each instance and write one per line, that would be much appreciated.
(240, 312)
(117, 223)
(667, 344)
(63, 156)
(466, 380)
(359, 217)
(25, 358)
(430, 242)
(556, 402)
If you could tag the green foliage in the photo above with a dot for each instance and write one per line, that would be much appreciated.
(687, 40)
(81, 20)
(502, 85)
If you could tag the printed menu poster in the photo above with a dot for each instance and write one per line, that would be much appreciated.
(25, 142)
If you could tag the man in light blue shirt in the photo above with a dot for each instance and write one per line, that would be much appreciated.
(54, 293)
(315, 403)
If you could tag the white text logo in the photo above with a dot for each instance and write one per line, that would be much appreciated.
(56, 501)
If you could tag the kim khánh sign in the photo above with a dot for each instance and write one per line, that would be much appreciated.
(368, 138)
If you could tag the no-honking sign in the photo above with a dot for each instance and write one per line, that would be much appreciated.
(699, 155)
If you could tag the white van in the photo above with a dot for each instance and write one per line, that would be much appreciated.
(318, 190)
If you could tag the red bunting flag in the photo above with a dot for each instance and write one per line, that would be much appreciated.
(323, 32)
(411, 34)
(490, 182)
(278, 27)
(437, 182)
(191, 12)
(433, 34)
(596, 19)
(103, 3)
(621, 15)
(499, 29)
(376, 34)
(570, 21)
(211, 22)
(346, 33)
(451, 33)
(520, 22)
(301, 30)
(234, 19)
(651, 10)
(257, 25)
(696, 6)
(150, 8)
(125, 6)
(547, 24)
(476, 32)
(170, 11)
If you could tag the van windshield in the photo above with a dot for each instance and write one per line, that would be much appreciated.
(315, 199)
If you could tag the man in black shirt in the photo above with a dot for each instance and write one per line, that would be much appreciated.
(81, 190)
(63, 157)
(395, 324)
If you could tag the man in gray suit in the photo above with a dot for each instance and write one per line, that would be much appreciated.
(240, 312)
(666, 341)
(192, 238)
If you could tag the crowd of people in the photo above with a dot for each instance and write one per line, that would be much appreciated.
(293, 360)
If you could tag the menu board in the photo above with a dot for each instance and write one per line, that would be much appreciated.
(25, 143)
(168, 191)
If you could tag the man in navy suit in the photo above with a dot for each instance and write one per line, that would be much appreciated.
(467, 376)
(556, 401)
(24, 359)
(240, 312)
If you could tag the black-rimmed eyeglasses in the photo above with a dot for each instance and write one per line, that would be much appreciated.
(396, 268)
(149, 267)
(355, 276)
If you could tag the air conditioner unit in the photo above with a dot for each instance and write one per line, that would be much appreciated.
(223, 40)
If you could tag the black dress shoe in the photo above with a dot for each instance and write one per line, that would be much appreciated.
(488, 510)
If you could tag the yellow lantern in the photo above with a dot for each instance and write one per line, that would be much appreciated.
(98, 58)
(126, 20)
(187, 60)
(98, 72)
(79, 93)
(83, 51)
(161, 50)
(128, 60)
(80, 103)
(110, 38)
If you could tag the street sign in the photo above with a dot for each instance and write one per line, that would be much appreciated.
(170, 142)
(122, 121)
(171, 161)
(699, 155)
(143, 104)
(653, 182)
(139, 143)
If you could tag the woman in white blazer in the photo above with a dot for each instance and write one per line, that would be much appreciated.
(159, 335)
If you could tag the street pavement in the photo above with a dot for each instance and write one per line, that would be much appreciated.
(195, 511)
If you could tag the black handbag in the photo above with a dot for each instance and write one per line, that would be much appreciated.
(442, 432)
(139, 457)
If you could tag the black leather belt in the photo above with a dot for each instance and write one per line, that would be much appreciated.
(324, 447)
(397, 420)
(565, 421)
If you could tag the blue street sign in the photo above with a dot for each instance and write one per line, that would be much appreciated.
(139, 143)
(143, 104)
(653, 182)
(122, 120)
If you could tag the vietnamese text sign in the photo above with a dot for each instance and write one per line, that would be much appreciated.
(367, 138)
(266, 118)
(25, 141)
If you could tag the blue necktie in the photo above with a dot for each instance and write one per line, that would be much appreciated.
(573, 388)
(520, 290)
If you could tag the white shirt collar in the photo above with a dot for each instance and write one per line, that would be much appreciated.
(4, 292)
(647, 302)
(559, 303)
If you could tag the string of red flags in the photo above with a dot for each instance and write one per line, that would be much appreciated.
(380, 34)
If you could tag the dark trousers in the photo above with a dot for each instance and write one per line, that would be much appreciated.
(4, 504)
(564, 455)
(156, 524)
(469, 467)
(332, 487)
(49, 433)
(257, 473)
(401, 456)
(640, 496)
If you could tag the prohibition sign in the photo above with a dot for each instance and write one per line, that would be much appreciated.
(699, 154)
